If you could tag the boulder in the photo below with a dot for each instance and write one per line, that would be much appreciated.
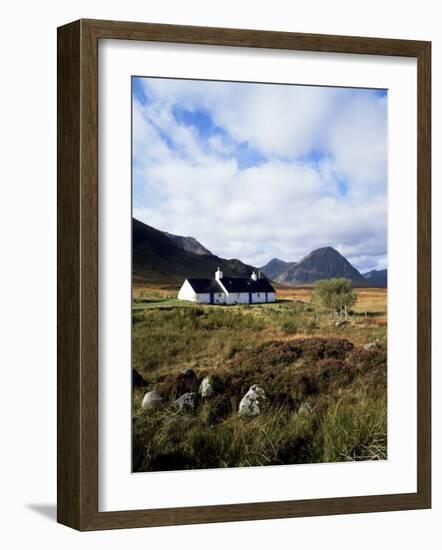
(206, 387)
(137, 379)
(305, 408)
(253, 402)
(209, 386)
(152, 400)
(372, 345)
(187, 402)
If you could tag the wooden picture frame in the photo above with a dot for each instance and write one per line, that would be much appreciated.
(78, 274)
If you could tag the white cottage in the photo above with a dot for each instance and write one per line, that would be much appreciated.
(228, 290)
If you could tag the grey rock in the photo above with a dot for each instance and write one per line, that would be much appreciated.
(152, 400)
(187, 402)
(206, 387)
(305, 408)
(372, 345)
(209, 386)
(253, 402)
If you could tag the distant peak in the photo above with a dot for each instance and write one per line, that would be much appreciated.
(277, 260)
(326, 249)
(323, 251)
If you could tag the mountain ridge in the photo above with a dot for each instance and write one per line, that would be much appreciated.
(274, 267)
(156, 259)
(160, 257)
(189, 243)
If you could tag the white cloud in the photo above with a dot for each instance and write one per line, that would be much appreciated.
(287, 204)
(357, 140)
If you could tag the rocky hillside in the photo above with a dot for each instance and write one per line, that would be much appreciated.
(188, 243)
(275, 267)
(158, 259)
(323, 263)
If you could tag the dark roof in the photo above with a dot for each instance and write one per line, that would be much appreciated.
(239, 284)
(232, 284)
(262, 285)
(205, 286)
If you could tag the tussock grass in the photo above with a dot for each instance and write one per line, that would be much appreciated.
(343, 432)
(355, 430)
(170, 441)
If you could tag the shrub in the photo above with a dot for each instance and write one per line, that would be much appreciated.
(335, 293)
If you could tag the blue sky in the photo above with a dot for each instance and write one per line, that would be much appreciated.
(257, 171)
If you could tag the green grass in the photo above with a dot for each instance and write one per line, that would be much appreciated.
(294, 350)
(355, 430)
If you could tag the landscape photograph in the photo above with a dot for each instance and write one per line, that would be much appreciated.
(259, 274)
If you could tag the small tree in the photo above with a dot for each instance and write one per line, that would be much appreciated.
(335, 293)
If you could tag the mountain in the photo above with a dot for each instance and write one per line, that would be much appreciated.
(160, 257)
(156, 258)
(188, 243)
(376, 277)
(323, 263)
(275, 267)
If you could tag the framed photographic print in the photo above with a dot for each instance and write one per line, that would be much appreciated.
(243, 274)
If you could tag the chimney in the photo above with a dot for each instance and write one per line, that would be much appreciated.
(218, 274)
(254, 276)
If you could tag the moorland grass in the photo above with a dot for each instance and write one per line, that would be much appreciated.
(346, 430)
(326, 395)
